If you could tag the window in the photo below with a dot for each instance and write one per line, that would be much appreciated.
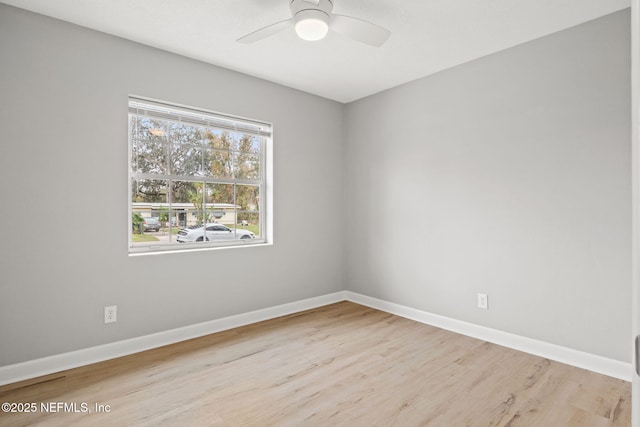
(199, 175)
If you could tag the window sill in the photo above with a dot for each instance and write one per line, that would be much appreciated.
(194, 248)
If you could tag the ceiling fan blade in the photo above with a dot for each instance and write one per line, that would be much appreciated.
(360, 30)
(265, 32)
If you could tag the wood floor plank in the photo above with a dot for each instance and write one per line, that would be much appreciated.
(338, 365)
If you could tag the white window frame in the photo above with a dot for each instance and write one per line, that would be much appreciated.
(176, 113)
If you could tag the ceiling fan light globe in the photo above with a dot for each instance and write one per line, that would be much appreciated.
(312, 25)
(311, 29)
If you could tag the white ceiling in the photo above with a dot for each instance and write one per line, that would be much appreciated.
(427, 35)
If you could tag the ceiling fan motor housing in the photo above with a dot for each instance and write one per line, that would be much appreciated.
(311, 9)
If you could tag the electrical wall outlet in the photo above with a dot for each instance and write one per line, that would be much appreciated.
(111, 314)
(483, 301)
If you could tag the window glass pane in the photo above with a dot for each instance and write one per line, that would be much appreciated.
(186, 149)
(186, 160)
(249, 144)
(143, 127)
(220, 194)
(149, 146)
(184, 134)
(187, 202)
(218, 160)
(220, 140)
(250, 221)
(247, 166)
(220, 206)
(248, 197)
(218, 164)
(148, 216)
(149, 190)
(248, 201)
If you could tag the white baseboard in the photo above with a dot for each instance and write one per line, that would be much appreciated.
(60, 362)
(602, 365)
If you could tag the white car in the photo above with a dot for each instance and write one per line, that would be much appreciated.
(212, 232)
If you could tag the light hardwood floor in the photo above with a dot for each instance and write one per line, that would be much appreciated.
(338, 365)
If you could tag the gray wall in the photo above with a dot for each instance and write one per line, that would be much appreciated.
(511, 176)
(63, 186)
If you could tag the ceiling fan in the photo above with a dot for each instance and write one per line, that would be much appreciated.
(312, 19)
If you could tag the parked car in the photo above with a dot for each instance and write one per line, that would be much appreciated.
(150, 224)
(212, 232)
